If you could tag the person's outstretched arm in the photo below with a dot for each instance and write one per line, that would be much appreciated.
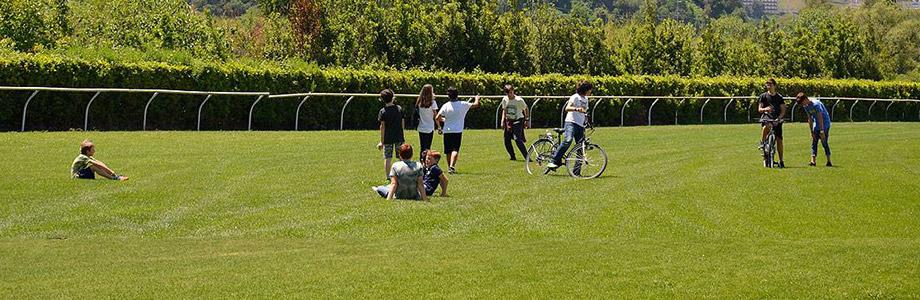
(570, 106)
(782, 111)
(443, 185)
(438, 122)
(821, 122)
(811, 126)
(420, 186)
(526, 117)
(391, 195)
(382, 128)
(102, 169)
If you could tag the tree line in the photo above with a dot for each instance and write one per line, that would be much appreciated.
(878, 41)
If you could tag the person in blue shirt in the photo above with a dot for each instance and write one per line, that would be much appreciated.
(434, 177)
(819, 122)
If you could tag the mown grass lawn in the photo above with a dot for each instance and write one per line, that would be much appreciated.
(683, 211)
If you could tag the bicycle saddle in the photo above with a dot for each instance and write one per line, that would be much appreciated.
(559, 130)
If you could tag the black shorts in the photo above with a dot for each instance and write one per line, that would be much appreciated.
(777, 129)
(86, 173)
(452, 142)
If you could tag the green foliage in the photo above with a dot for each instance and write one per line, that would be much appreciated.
(168, 24)
(31, 24)
(492, 36)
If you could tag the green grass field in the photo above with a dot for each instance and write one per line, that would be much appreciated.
(682, 211)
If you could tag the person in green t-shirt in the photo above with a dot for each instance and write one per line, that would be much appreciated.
(515, 118)
(406, 178)
(85, 166)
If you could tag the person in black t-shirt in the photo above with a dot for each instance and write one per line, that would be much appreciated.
(391, 128)
(772, 106)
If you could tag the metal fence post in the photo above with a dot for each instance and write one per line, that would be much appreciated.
(145, 109)
(793, 111)
(753, 103)
(851, 110)
(725, 110)
(26, 108)
(596, 103)
(832, 108)
(650, 111)
(297, 113)
(342, 117)
(623, 111)
(703, 108)
(86, 116)
(887, 108)
(498, 110)
(251, 108)
(532, 109)
(562, 114)
(676, 109)
(869, 115)
(198, 128)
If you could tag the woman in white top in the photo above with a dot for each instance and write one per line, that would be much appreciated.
(452, 115)
(427, 108)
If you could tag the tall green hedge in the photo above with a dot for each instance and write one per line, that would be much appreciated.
(62, 111)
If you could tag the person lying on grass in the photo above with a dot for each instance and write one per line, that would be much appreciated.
(405, 178)
(85, 166)
(433, 174)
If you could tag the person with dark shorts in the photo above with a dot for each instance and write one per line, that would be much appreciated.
(427, 108)
(450, 121)
(515, 118)
(85, 166)
(434, 177)
(819, 123)
(772, 106)
(391, 128)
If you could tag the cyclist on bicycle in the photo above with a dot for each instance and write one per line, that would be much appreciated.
(575, 109)
(773, 107)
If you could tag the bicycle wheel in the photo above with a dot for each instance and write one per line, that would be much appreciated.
(538, 156)
(586, 161)
(769, 149)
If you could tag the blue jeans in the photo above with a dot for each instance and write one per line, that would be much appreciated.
(814, 142)
(573, 132)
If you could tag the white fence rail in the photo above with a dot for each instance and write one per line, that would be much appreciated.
(348, 97)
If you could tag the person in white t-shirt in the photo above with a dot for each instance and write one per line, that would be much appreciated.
(452, 116)
(515, 118)
(575, 124)
(427, 108)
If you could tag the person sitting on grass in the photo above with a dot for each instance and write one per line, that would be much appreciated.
(85, 166)
(405, 178)
(819, 123)
(433, 174)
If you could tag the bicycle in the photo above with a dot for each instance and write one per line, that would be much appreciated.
(769, 146)
(584, 160)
